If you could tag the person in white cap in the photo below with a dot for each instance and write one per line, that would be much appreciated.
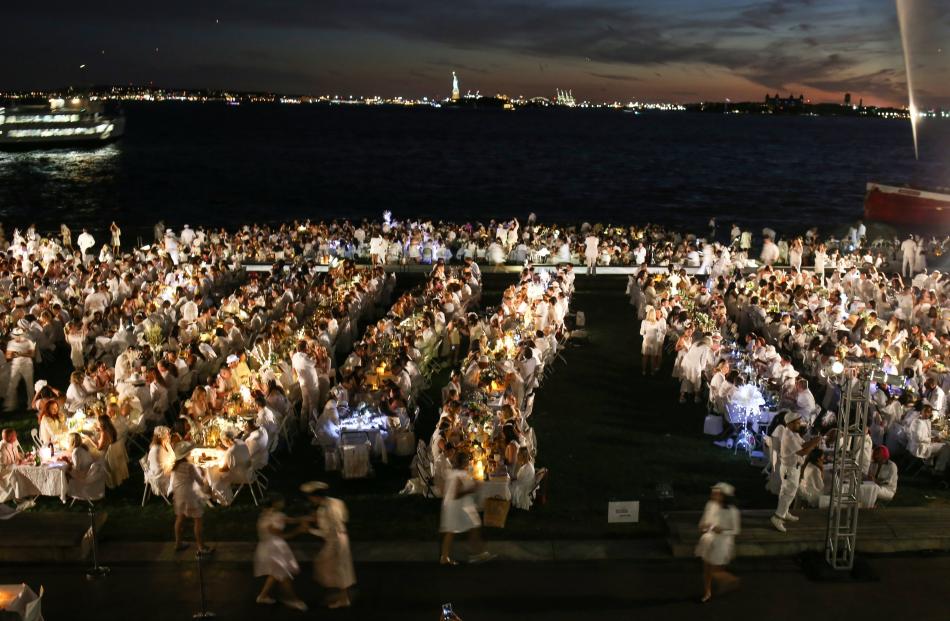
(792, 453)
(333, 565)
(19, 352)
(720, 524)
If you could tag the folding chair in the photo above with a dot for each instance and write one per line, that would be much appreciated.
(540, 478)
(150, 482)
(33, 610)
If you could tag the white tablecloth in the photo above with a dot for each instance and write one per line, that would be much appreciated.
(493, 488)
(14, 598)
(356, 455)
(30, 481)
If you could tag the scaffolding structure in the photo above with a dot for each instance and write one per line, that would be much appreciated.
(846, 478)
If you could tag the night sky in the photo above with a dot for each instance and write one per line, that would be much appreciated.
(679, 50)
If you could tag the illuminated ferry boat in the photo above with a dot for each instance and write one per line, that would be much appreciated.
(72, 122)
(904, 205)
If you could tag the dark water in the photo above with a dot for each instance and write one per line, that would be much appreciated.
(212, 164)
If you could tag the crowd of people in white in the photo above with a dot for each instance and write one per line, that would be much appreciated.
(760, 345)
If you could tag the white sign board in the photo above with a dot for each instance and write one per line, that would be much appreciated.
(620, 512)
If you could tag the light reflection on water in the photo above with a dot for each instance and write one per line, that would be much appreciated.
(72, 165)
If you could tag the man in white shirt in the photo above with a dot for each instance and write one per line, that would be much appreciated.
(792, 452)
(267, 418)
(19, 352)
(805, 404)
(85, 241)
(883, 475)
(305, 368)
(909, 255)
(934, 397)
(920, 442)
(256, 439)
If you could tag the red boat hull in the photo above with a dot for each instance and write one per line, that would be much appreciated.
(907, 206)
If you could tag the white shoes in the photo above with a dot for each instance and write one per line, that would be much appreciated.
(778, 523)
(791, 518)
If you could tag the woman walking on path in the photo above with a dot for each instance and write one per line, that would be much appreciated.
(719, 526)
(460, 513)
(274, 559)
(333, 565)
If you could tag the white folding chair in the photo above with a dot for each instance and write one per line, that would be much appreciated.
(33, 611)
(92, 488)
(151, 483)
(250, 480)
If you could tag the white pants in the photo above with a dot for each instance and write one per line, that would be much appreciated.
(309, 401)
(20, 369)
(907, 268)
(786, 495)
(871, 492)
(591, 263)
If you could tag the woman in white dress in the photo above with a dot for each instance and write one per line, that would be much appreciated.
(459, 513)
(76, 339)
(52, 423)
(523, 484)
(795, 251)
(719, 526)
(112, 449)
(333, 565)
(653, 331)
(189, 498)
(812, 484)
(274, 559)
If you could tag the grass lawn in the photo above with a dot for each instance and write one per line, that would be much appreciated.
(604, 431)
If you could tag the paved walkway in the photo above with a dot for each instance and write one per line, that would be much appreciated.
(896, 529)
(668, 591)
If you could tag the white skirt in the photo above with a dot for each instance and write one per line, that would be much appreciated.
(716, 549)
(274, 558)
(459, 515)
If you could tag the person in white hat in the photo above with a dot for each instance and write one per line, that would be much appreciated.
(792, 453)
(333, 565)
(720, 524)
(19, 352)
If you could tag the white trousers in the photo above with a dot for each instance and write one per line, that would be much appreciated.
(591, 263)
(907, 267)
(309, 400)
(20, 369)
(786, 495)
